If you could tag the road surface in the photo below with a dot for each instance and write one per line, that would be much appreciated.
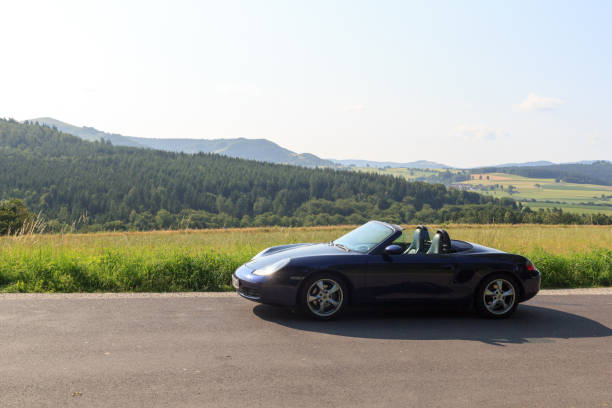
(223, 351)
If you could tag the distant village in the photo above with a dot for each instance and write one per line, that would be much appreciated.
(510, 189)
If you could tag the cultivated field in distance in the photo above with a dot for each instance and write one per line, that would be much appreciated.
(568, 256)
(548, 193)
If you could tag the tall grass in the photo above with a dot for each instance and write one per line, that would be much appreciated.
(114, 271)
(577, 270)
(567, 256)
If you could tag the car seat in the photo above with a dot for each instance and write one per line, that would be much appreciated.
(419, 239)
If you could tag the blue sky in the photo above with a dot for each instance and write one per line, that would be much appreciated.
(463, 83)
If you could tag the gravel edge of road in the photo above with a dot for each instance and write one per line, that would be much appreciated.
(132, 295)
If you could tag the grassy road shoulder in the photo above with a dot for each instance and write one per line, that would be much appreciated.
(179, 261)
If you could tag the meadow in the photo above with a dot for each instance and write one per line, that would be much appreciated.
(203, 260)
(547, 193)
(570, 197)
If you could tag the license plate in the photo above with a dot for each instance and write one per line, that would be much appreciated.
(235, 282)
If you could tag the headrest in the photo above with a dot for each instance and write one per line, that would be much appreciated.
(441, 243)
(422, 231)
(445, 242)
(419, 237)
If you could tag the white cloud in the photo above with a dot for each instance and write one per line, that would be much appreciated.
(479, 133)
(536, 102)
(354, 108)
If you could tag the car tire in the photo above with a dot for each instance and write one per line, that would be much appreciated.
(495, 303)
(323, 297)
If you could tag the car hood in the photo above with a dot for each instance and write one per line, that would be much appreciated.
(275, 254)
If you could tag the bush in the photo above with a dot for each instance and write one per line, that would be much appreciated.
(13, 215)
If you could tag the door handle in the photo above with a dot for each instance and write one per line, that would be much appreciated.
(449, 266)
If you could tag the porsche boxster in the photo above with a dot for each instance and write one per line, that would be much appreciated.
(379, 262)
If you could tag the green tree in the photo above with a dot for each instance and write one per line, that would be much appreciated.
(164, 219)
(13, 214)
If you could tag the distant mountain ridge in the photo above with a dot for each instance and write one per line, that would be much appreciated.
(251, 149)
(420, 164)
(541, 163)
(526, 164)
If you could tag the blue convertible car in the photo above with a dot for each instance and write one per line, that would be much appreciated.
(378, 263)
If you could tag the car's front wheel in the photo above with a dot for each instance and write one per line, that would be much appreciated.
(497, 296)
(323, 297)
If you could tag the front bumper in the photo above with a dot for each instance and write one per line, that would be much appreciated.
(264, 289)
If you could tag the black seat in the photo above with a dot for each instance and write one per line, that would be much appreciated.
(440, 244)
(419, 240)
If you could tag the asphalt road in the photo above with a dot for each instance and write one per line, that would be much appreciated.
(148, 351)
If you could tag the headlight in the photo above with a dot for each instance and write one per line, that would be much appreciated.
(270, 269)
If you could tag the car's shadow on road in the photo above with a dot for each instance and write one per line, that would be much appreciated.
(530, 324)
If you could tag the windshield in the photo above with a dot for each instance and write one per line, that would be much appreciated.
(364, 238)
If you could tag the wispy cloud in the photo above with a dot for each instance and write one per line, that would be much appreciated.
(479, 133)
(354, 108)
(536, 102)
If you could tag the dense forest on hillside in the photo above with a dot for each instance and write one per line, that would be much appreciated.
(599, 172)
(95, 186)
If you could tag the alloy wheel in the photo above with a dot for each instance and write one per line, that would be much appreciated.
(499, 296)
(324, 297)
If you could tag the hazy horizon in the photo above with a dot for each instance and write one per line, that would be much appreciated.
(464, 84)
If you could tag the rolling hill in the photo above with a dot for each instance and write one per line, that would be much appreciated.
(243, 148)
(544, 192)
(526, 164)
(100, 186)
(420, 164)
(107, 187)
(251, 149)
(597, 172)
(541, 163)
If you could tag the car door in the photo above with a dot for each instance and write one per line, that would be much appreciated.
(409, 277)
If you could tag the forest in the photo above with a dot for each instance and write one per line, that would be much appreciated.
(93, 186)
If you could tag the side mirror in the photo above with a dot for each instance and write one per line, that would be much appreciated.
(394, 250)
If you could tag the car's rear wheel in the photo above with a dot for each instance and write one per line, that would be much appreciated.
(497, 296)
(323, 297)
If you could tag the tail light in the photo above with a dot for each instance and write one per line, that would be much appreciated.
(530, 266)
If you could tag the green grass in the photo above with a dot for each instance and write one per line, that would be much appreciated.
(116, 271)
(567, 256)
(572, 196)
(579, 270)
(574, 208)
